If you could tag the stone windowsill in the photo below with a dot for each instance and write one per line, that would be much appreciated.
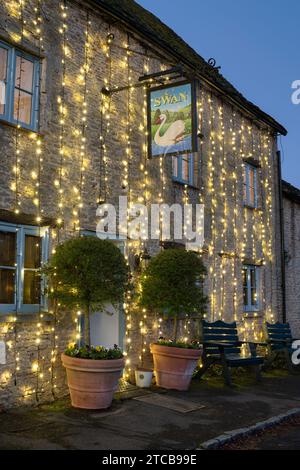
(13, 125)
(25, 317)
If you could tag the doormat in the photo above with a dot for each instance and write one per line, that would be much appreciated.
(165, 401)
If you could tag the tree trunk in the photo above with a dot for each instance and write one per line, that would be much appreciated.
(175, 331)
(87, 332)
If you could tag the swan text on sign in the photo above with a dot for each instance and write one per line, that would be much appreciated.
(170, 99)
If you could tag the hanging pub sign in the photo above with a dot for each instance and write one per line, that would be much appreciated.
(172, 119)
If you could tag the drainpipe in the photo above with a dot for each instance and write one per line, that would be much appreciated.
(281, 225)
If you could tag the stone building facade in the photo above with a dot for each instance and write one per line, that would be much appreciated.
(86, 147)
(291, 211)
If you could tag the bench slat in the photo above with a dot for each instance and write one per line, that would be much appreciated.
(219, 324)
(219, 331)
(278, 326)
(218, 337)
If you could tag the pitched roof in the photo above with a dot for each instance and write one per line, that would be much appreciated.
(290, 192)
(140, 20)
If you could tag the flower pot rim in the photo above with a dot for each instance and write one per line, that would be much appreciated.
(176, 347)
(92, 365)
(92, 360)
(178, 353)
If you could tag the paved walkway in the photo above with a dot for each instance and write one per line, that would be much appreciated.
(285, 436)
(135, 424)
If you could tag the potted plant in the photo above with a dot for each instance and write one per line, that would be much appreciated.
(88, 273)
(172, 286)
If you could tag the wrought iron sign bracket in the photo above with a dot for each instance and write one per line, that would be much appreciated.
(153, 78)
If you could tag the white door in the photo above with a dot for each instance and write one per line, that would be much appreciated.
(107, 328)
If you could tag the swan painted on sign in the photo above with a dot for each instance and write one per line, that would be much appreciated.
(173, 134)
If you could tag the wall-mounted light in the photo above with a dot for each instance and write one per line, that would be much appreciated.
(105, 91)
(109, 38)
(144, 258)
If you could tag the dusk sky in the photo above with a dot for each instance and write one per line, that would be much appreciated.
(257, 44)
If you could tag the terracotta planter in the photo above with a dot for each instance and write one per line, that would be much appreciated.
(174, 367)
(92, 383)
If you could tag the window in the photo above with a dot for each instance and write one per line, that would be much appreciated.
(19, 87)
(250, 185)
(251, 294)
(22, 251)
(7, 267)
(183, 169)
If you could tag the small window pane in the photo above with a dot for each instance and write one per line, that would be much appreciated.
(22, 107)
(7, 249)
(245, 296)
(7, 286)
(2, 97)
(251, 196)
(185, 168)
(3, 63)
(253, 297)
(252, 185)
(3, 72)
(245, 277)
(175, 166)
(253, 277)
(250, 292)
(31, 290)
(32, 252)
(24, 74)
(245, 184)
(251, 177)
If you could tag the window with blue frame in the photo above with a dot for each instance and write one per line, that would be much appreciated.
(183, 169)
(250, 185)
(251, 288)
(19, 87)
(23, 249)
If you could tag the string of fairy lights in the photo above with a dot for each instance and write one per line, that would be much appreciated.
(212, 193)
(15, 187)
(235, 213)
(84, 127)
(18, 135)
(37, 199)
(226, 142)
(61, 101)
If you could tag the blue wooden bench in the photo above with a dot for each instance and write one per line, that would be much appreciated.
(221, 345)
(279, 340)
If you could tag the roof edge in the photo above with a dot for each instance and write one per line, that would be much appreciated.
(242, 103)
(290, 192)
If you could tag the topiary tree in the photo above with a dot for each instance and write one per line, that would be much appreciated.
(87, 272)
(172, 285)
